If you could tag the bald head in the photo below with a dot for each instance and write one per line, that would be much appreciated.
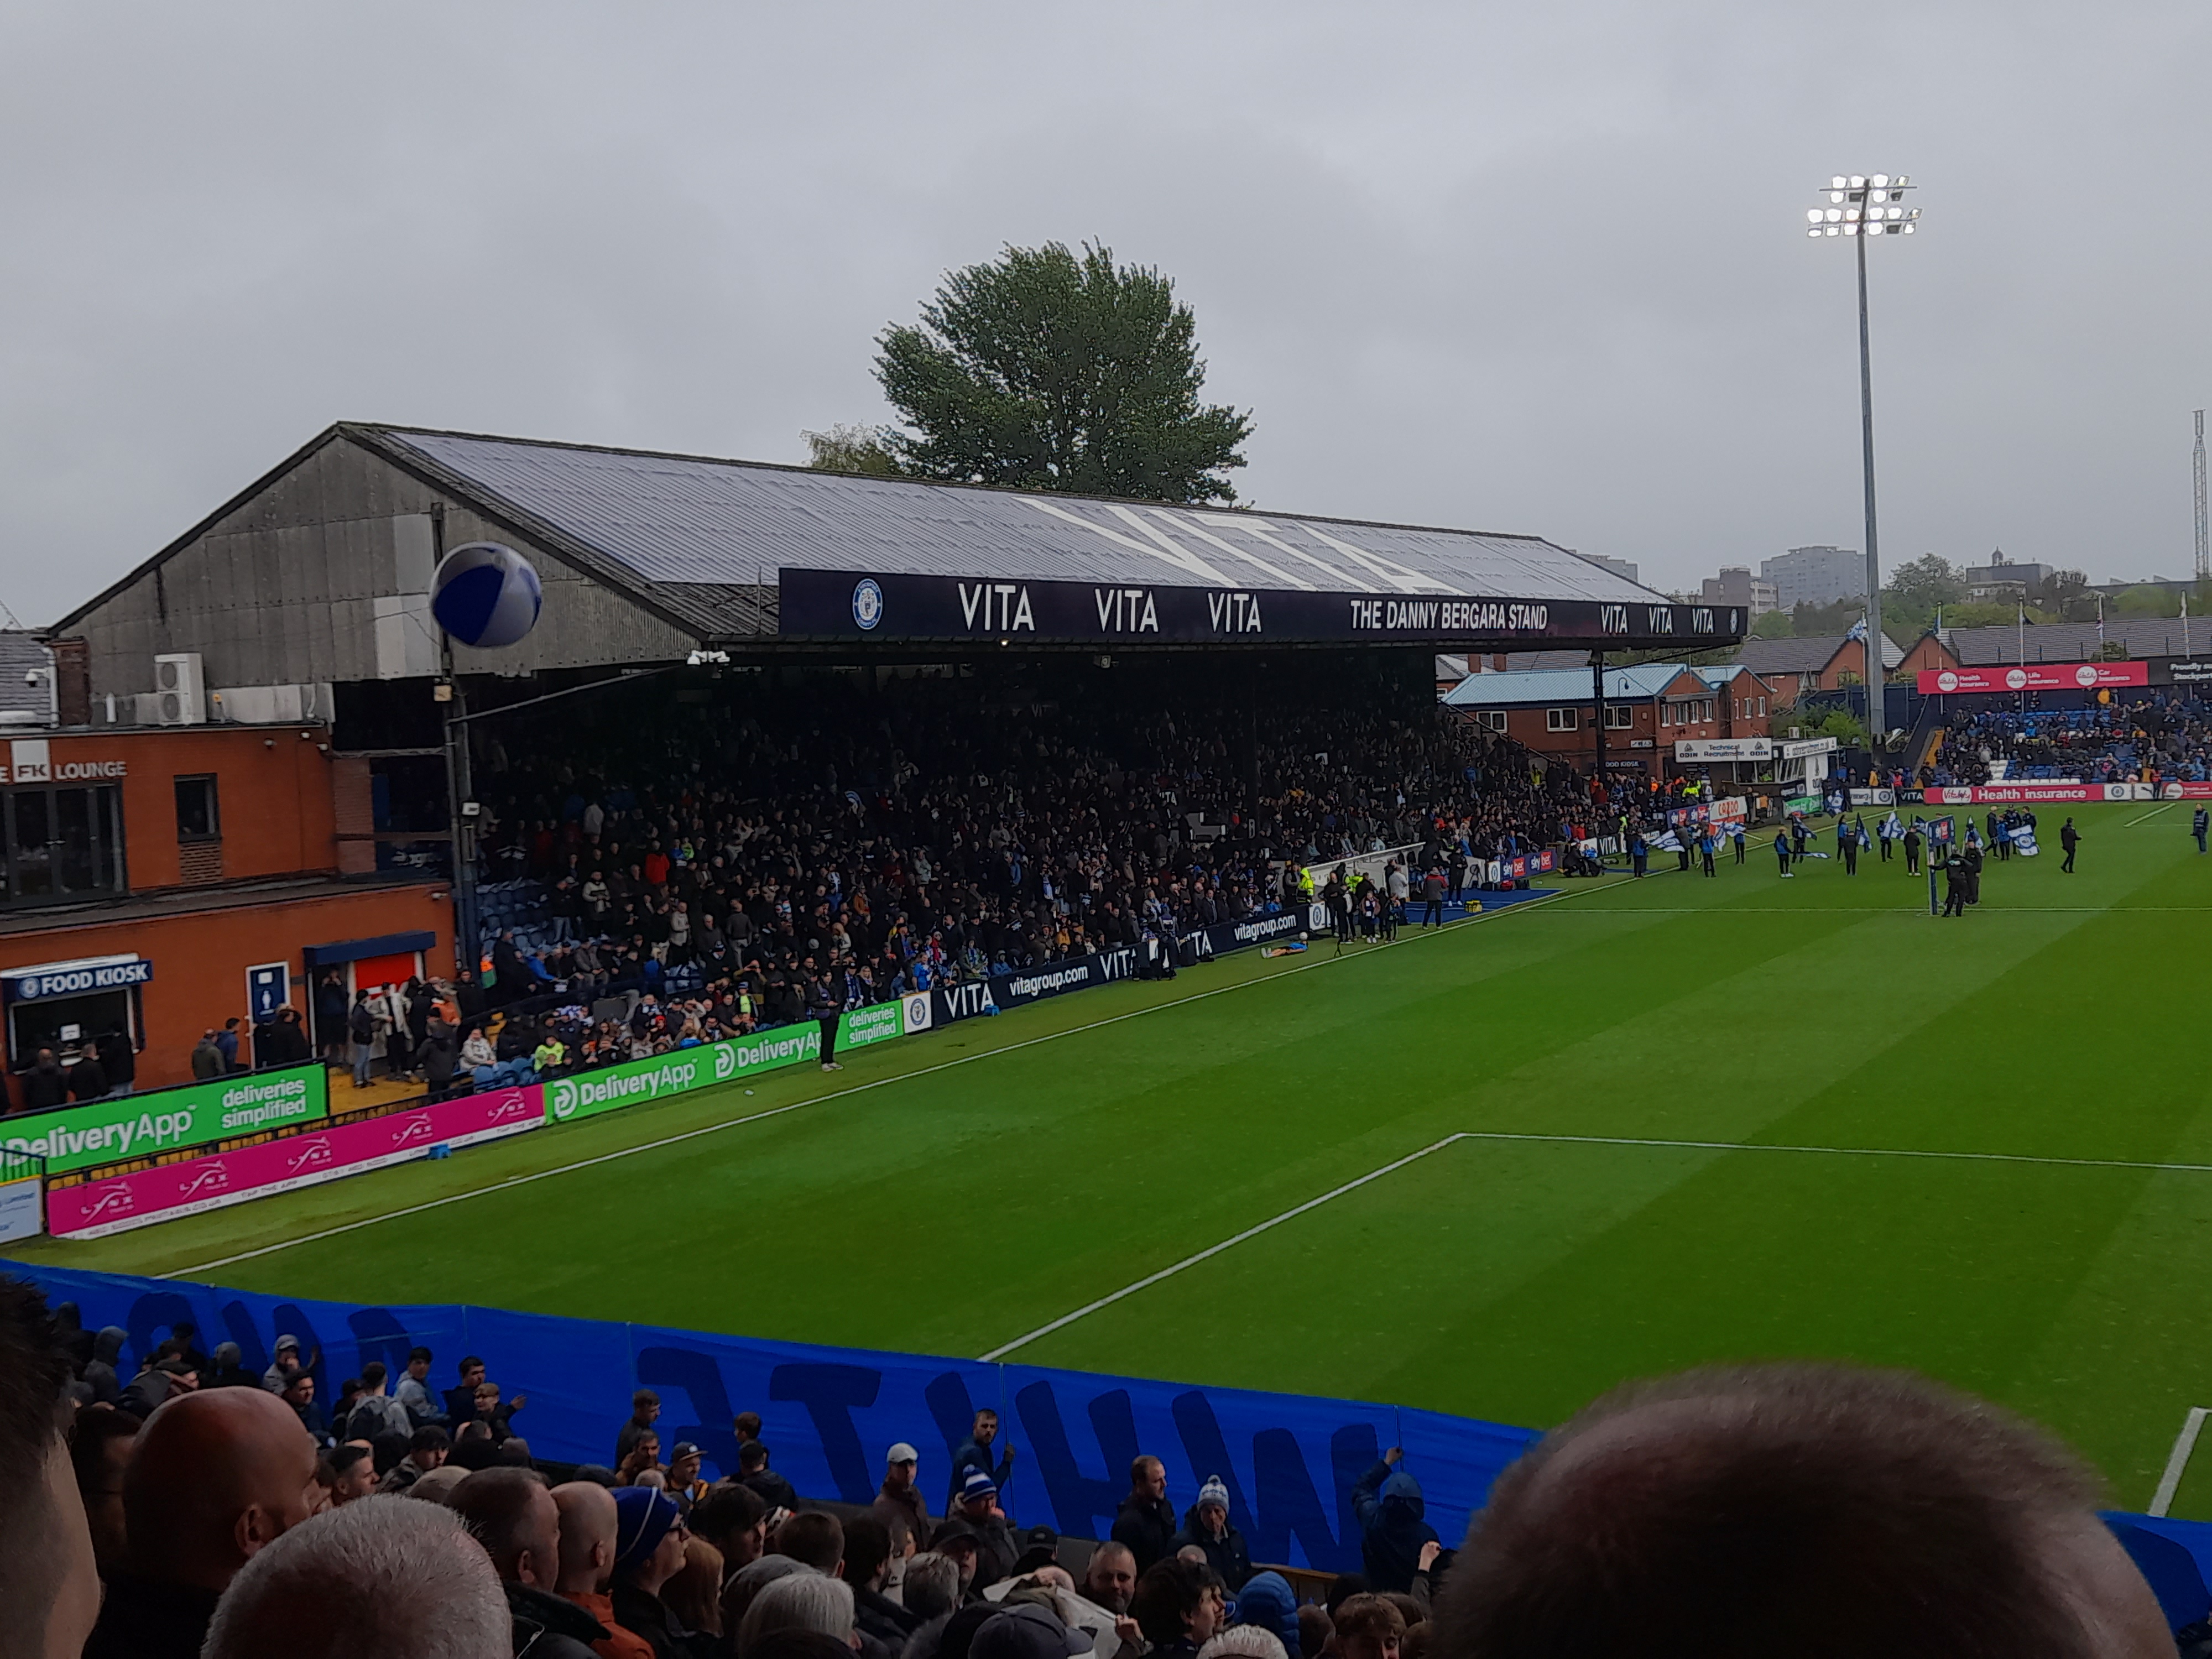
(1831, 1511)
(213, 1478)
(587, 1536)
(513, 1515)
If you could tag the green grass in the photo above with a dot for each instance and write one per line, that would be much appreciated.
(993, 1176)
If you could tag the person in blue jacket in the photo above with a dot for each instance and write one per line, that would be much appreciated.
(1388, 1502)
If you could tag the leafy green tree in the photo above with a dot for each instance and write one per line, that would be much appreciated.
(863, 449)
(1846, 727)
(1915, 590)
(1774, 625)
(2146, 600)
(1048, 370)
(1814, 622)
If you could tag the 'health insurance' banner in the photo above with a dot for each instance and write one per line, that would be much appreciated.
(2033, 677)
(199, 1114)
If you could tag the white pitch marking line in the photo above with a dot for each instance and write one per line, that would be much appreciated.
(2147, 816)
(1150, 1279)
(822, 1100)
(2177, 1461)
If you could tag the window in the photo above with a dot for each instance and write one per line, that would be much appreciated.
(197, 818)
(1619, 717)
(1492, 718)
(58, 843)
(1561, 720)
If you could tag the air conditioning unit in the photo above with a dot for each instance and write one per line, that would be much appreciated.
(179, 690)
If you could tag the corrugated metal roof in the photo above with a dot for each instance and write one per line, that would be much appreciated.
(1560, 685)
(20, 652)
(2143, 636)
(677, 521)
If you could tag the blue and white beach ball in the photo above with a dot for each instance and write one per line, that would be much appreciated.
(486, 595)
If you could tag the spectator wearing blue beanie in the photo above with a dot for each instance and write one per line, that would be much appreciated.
(649, 1539)
(1268, 1601)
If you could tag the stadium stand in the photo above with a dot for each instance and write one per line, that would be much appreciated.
(2159, 738)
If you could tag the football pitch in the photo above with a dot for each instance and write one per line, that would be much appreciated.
(1492, 1170)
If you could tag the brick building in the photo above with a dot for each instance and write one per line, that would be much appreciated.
(1648, 708)
(146, 872)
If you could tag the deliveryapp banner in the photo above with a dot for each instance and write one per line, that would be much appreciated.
(680, 1071)
(198, 1115)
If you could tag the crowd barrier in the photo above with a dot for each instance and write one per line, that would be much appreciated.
(1290, 1461)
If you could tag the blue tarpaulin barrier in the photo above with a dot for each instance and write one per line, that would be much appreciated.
(828, 1414)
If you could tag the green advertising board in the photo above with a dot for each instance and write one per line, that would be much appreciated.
(198, 1115)
(680, 1071)
(862, 1026)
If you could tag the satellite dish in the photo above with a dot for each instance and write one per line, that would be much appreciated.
(486, 595)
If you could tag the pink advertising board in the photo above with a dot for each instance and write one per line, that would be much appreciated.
(199, 1184)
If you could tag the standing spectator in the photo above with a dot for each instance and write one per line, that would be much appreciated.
(119, 1060)
(283, 1364)
(1146, 1522)
(88, 1077)
(2200, 823)
(461, 1403)
(226, 1044)
(300, 1395)
(994, 1539)
(46, 1084)
(353, 1470)
(1206, 1525)
(684, 1481)
(214, 1478)
(898, 1500)
(822, 1006)
(1913, 841)
(644, 1412)
(1847, 843)
(1782, 853)
(1432, 894)
(588, 1522)
(414, 1390)
(227, 1370)
(867, 1568)
(389, 1578)
(734, 1520)
(1110, 1578)
(375, 1412)
(753, 1471)
(2070, 839)
(1369, 1627)
(975, 1453)
(513, 1515)
(360, 1029)
(1388, 1503)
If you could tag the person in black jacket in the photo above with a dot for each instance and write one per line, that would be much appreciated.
(45, 1083)
(118, 1060)
(1146, 1522)
(867, 1565)
(975, 1453)
(1206, 1524)
(1388, 1503)
(753, 1471)
(88, 1077)
(649, 1540)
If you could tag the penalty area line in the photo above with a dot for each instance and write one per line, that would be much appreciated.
(620, 1153)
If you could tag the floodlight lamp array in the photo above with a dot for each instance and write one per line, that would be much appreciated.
(1860, 204)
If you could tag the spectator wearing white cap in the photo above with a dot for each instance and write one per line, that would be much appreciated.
(899, 1503)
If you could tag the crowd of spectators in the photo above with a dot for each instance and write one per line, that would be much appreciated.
(201, 1511)
(2162, 738)
(834, 843)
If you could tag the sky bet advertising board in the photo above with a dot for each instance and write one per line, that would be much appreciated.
(198, 1115)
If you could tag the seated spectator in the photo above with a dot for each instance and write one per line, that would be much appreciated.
(284, 1363)
(513, 1515)
(461, 1403)
(414, 1394)
(649, 1539)
(644, 1454)
(1316, 1632)
(1818, 1509)
(438, 1486)
(298, 1396)
(384, 1577)
(753, 1471)
(1244, 1642)
(376, 1412)
(1206, 1525)
(213, 1480)
(685, 1484)
(1369, 1627)
(427, 1450)
(749, 1580)
(588, 1522)
(956, 1540)
(1388, 1503)
(474, 1448)
(1028, 1630)
(99, 1374)
(49, 1579)
(161, 1381)
(227, 1370)
(799, 1601)
(1177, 1607)
(695, 1594)
(1110, 1578)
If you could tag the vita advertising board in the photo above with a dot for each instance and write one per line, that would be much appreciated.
(198, 1115)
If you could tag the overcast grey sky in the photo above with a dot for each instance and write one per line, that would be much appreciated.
(1498, 266)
